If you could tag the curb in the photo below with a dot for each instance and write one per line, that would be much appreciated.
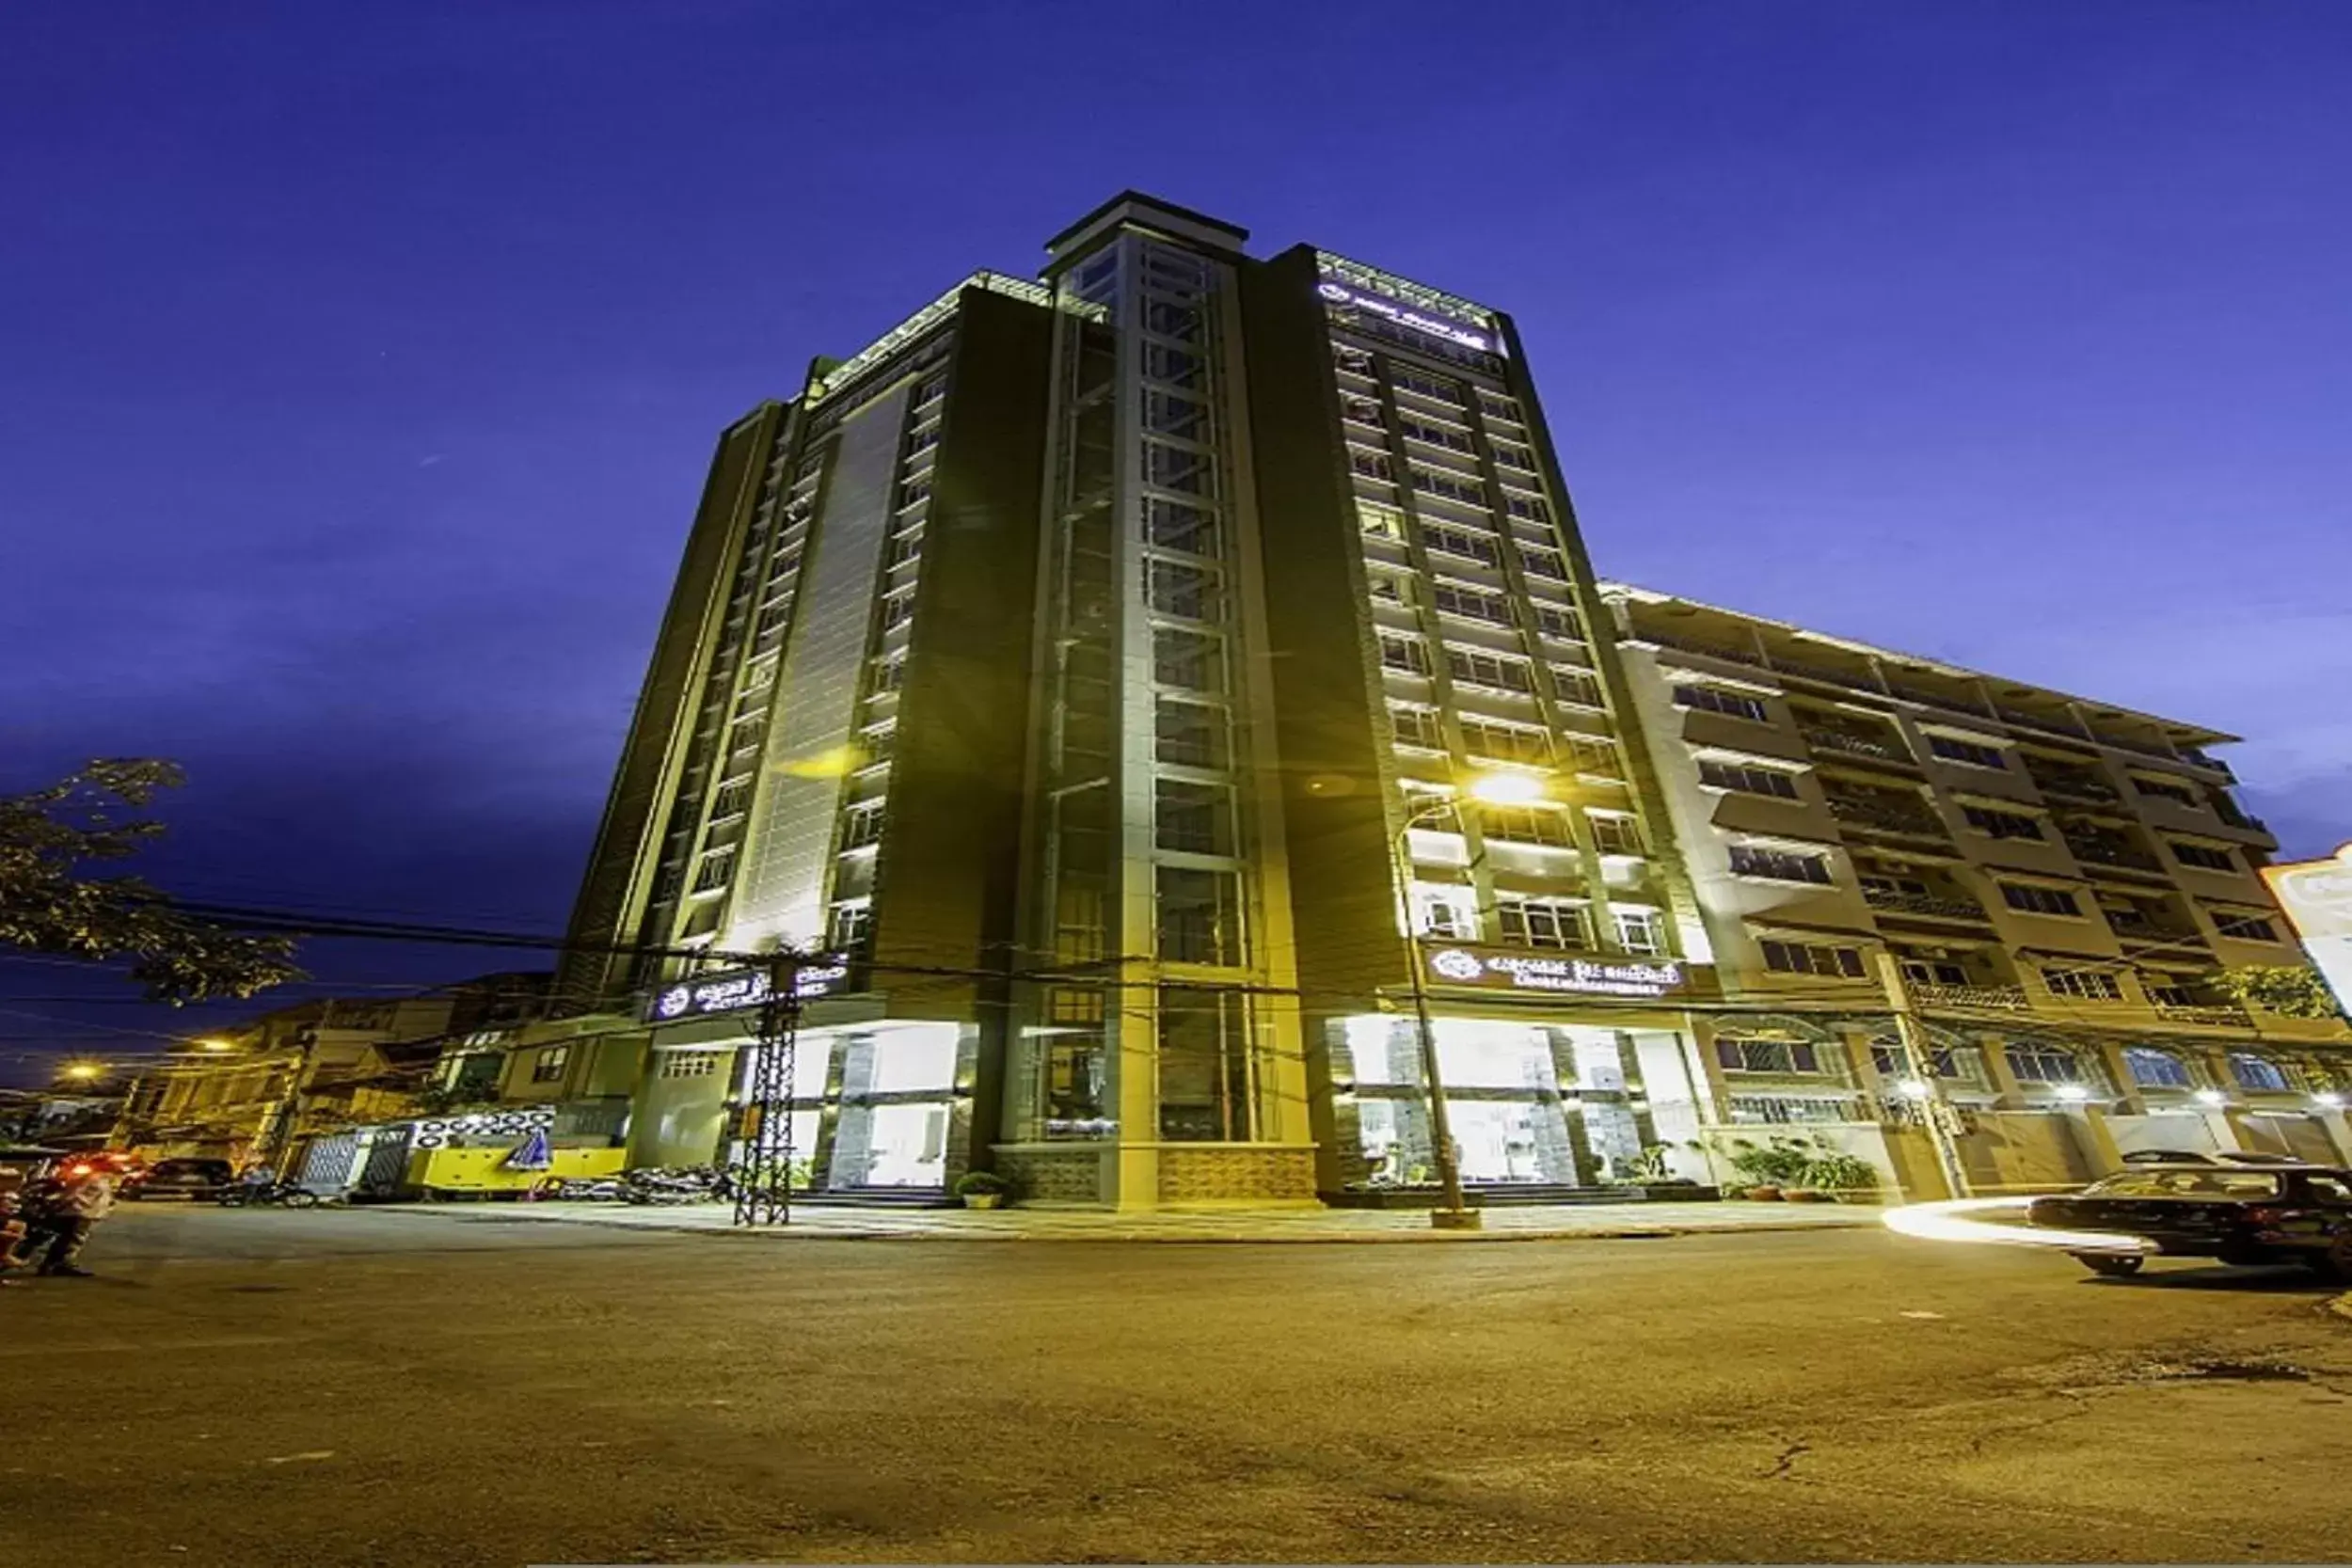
(1375, 1238)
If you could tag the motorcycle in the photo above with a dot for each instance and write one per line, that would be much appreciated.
(577, 1189)
(268, 1195)
(658, 1184)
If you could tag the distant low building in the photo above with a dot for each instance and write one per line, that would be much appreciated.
(261, 1089)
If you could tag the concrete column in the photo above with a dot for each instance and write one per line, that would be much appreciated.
(2089, 1125)
(2339, 1128)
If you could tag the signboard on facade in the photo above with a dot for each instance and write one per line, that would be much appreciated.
(732, 990)
(1542, 971)
(1404, 315)
(2317, 897)
(520, 1121)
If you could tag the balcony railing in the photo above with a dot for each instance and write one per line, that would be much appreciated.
(2075, 786)
(2005, 998)
(1853, 745)
(2212, 1015)
(1932, 698)
(1852, 680)
(1923, 903)
(1695, 645)
(1871, 814)
(2037, 722)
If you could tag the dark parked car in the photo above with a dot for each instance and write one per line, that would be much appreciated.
(2196, 1157)
(2237, 1213)
(180, 1178)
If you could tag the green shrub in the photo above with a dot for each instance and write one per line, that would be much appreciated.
(982, 1183)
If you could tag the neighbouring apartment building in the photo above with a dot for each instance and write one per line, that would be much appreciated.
(2060, 883)
(1086, 675)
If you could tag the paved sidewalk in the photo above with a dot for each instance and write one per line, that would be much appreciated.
(830, 1222)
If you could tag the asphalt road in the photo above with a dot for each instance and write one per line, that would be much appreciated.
(332, 1388)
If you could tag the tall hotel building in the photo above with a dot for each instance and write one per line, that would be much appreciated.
(1096, 670)
(1070, 661)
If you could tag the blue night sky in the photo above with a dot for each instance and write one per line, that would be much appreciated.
(359, 365)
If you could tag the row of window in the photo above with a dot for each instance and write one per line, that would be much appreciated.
(2028, 1061)
(1451, 911)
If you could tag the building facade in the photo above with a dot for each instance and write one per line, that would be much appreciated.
(2061, 885)
(1098, 681)
(261, 1090)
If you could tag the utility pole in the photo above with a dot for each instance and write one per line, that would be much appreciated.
(763, 1177)
(1943, 1122)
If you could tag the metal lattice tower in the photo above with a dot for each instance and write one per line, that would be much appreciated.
(763, 1179)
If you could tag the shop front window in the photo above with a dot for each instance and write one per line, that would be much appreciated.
(1206, 1072)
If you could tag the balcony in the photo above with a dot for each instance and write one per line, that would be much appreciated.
(1870, 816)
(1949, 703)
(1927, 904)
(2075, 786)
(1852, 745)
(1695, 645)
(2010, 999)
(2205, 1014)
(2119, 856)
(2039, 721)
(1823, 675)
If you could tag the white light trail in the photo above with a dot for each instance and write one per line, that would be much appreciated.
(1946, 1222)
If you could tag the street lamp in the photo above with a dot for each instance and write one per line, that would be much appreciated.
(1499, 789)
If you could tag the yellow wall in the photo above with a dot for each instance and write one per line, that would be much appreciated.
(484, 1171)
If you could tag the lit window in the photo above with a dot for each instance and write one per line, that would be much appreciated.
(2203, 855)
(1641, 932)
(2032, 898)
(1476, 667)
(1541, 922)
(2034, 1062)
(2151, 1069)
(1799, 957)
(1779, 865)
(1789, 1057)
(546, 1064)
(1198, 916)
(1745, 780)
(2258, 1073)
(2087, 985)
(1735, 705)
(848, 926)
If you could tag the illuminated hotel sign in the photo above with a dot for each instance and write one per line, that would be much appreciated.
(2317, 897)
(1576, 976)
(1380, 304)
(733, 990)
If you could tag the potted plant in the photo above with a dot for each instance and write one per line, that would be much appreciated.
(1844, 1178)
(983, 1189)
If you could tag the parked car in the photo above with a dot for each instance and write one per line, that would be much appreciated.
(2284, 1213)
(181, 1177)
(2201, 1156)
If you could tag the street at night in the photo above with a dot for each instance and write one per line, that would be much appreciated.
(459, 1388)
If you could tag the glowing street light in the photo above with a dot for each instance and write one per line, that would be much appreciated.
(82, 1072)
(1498, 787)
(2074, 1094)
(2210, 1096)
(1504, 788)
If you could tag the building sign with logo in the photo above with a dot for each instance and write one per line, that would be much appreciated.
(2317, 897)
(732, 990)
(1404, 315)
(1535, 972)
